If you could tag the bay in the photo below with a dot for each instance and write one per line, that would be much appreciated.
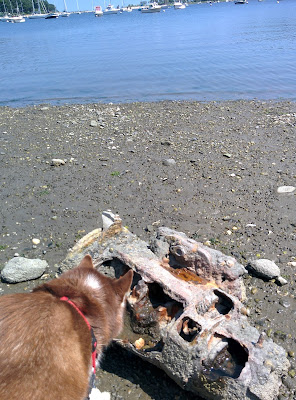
(204, 52)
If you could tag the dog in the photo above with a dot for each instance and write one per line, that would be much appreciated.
(46, 336)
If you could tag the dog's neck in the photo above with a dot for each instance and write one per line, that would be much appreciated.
(93, 338)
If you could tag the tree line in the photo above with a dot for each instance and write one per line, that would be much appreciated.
(24, 6)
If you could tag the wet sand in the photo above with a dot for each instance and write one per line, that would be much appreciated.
(221, 189)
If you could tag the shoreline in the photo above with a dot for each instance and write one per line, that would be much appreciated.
(230, 157)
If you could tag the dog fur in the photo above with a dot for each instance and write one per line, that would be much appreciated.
(45, 344)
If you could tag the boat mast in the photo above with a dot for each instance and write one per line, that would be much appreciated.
(65, 6)
(33, 7)
(77, 5)
(4, 6)
(11, 7)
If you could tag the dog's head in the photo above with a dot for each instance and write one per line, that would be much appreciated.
(100, 298)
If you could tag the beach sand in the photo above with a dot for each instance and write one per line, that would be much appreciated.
(229, 159)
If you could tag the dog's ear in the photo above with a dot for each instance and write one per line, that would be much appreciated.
(122, 285)
(86, 262)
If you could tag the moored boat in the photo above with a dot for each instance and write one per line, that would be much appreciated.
(241, 2)
(151, 8)
(178, 5)
(5, 18)
(98, 11)
(37, 16)
(65, 13)
(52, 15)
(40, 13)
(16, 19)
(111, 10)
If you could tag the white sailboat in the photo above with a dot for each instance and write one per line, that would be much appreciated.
(78, 10)
(65, 13)
(39, 14)
(5, 16)
(17, 18)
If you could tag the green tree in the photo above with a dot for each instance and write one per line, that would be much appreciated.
(24, 6)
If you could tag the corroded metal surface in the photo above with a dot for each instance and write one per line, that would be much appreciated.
(185, 312)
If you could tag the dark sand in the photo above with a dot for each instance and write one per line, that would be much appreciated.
(230, 159)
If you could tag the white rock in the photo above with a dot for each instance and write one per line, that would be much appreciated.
(169, 162)
(108, 219)
(264, 268)
(96, 394)
(57, 162)
(286, 189)
(35, 241)
(20, 269)
(281, 281)
(292, 263)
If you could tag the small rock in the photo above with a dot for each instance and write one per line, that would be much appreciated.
(20, 269)
(281, 281)
(57, 162)
(292, 263)
(286, 189)
(93, 123)
(264, 268)
(35, 241)
(285, 303)
(169, 162)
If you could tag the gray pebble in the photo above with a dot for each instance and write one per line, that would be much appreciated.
(264, 268)
(20, 269)
(169, 162)
(93, 123)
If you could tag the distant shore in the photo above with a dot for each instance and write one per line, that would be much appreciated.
(220, 187)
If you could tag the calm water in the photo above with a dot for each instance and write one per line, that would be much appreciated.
(204, 52)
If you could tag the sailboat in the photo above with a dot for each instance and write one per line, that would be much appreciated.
(5, 16)
(39, 14)
(65, 13)
(78, 10)
(17, 18)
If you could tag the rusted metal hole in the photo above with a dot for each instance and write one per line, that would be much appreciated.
(224, 304)
(189, 329)
(116, 268)
(150, 308)
(229, 362)
(158, 347)
(159, 300)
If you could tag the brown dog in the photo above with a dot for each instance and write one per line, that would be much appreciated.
(45, 340)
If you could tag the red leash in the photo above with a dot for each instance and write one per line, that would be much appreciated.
(94, 340)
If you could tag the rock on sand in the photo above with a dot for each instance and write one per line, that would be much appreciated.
(20, 269)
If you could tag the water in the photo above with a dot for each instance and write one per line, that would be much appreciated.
(223, 51)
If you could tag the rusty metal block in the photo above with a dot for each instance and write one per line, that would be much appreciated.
(185, 312)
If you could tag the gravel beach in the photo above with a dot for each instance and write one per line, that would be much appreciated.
(212, 170)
